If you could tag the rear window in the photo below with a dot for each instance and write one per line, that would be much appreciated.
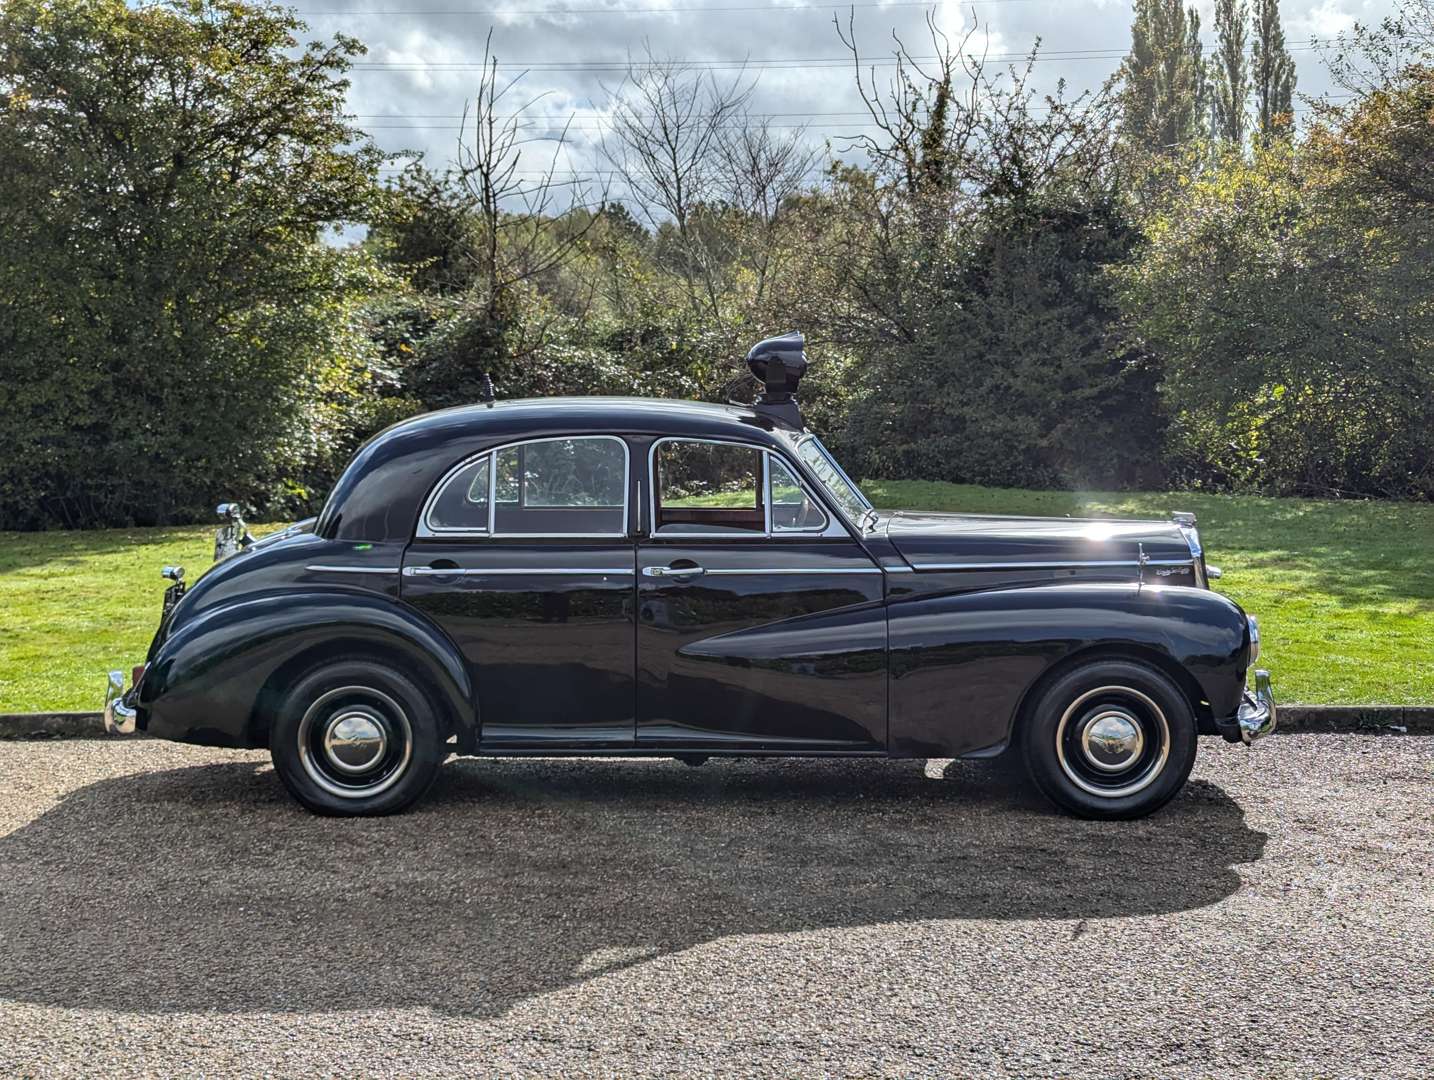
(545, 487)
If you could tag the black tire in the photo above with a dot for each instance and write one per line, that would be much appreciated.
(325, 749)
(1111, 739)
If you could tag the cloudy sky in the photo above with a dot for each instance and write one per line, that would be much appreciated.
(424, 55)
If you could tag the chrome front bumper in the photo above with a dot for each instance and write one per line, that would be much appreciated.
(1258, 715)
(119, 715)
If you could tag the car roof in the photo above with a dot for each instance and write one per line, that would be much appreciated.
(378, 496)
(626, 414)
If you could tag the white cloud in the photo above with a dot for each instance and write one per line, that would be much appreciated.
(418, 104)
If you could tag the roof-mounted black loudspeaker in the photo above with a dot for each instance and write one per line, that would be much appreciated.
(779, 364)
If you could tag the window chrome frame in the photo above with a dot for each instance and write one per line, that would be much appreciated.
(797, 442)
(804, 487)
(431, 532)
(832, 527)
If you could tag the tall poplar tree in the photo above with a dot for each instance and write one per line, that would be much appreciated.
(1273, 70)
(1163, 77)
(1230, 90)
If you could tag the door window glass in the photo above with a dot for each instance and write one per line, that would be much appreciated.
(549, 487)
(793, 510)
(562, 487)
(705, 488)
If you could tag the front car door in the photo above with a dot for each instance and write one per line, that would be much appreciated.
(761, 623)
(524, 555)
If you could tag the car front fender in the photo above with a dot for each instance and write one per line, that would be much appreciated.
(964, 663)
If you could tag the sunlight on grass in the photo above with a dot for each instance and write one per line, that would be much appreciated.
(1344, 590)
(79, 603)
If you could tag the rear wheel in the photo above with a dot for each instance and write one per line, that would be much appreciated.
(1110, 739)
(356, 739)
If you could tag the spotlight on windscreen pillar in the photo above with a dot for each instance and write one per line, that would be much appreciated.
(779, 364)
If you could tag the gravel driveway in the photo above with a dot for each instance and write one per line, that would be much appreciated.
(166, 909)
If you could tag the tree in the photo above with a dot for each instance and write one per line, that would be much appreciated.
(1163, 77)
(172, 328)
(967, 270)
(1273, 71)
(666, 145)
(1288, 300)
(1230, 89)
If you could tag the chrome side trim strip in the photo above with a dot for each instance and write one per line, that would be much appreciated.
(1052, 565)
(799, 570)
(323, 569)
(507, 571)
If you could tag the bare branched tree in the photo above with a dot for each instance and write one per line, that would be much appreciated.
(760, 172)
(516, 209)
(925, 126)
(666, 144)
(952, 140)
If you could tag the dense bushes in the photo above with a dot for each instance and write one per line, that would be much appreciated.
(171, 326)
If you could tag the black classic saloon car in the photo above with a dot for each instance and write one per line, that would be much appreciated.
(612, 576)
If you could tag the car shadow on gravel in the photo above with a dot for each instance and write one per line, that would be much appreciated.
(206, 889)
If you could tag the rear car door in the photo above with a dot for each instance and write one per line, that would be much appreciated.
(524, 555)
(761, 622)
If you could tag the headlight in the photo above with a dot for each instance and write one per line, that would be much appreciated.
(1254, 637)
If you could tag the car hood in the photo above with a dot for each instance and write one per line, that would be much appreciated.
(930, 541)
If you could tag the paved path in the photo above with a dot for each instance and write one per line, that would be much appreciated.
(165, 909)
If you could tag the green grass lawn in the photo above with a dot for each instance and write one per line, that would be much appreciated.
(1344, 590)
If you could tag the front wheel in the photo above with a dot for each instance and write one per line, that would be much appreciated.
(1110, 739)
(355, 739)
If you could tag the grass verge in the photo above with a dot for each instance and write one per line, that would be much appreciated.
(1344, 590)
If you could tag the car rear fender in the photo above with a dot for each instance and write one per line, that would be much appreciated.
(217, 679)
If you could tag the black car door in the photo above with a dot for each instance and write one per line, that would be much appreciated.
(525, 557)
(761, 623)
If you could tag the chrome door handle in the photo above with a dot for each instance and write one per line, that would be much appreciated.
(673, 571)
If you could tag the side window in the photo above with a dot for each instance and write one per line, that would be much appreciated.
(705, 488)
(548, 487)
(793, 509)
(462, 503)
(562, 487)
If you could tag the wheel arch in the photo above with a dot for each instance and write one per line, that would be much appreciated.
(1162, 661)
(215, 681)
(270, 694)
(964, 666)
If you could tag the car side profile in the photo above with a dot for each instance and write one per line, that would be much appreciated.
(627, 577)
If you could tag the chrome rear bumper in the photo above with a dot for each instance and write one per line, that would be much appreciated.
(1258, 715)
(119, 716)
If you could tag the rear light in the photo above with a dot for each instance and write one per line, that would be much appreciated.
(136, 673)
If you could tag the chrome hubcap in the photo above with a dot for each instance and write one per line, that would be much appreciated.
(354, 742)
(1112, 741)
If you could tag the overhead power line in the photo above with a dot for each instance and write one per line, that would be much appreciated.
(749, 64)
(675, 9)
